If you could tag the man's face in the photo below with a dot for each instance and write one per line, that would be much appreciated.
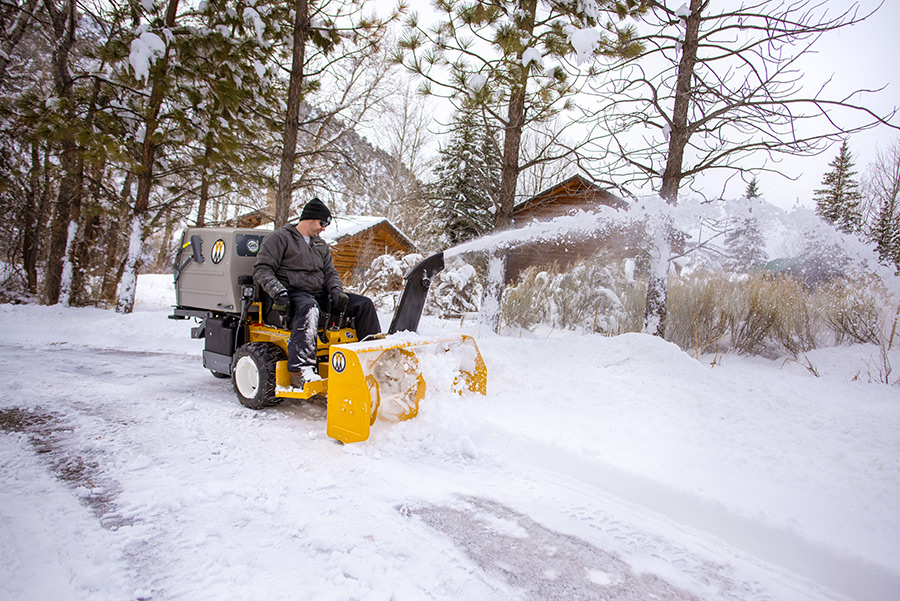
(311, 227)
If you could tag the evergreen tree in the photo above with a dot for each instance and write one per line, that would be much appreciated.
(886, 232)
(839, 199)
(752, 191)
(745, 242)
(746, 245)
(882, 190)
(224, 122)
(467, 186)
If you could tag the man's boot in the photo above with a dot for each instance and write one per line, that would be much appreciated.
(297, 379)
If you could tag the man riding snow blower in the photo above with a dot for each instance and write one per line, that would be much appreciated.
(246, 338)
(294, 267)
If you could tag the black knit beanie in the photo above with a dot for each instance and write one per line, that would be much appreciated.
(315, 209)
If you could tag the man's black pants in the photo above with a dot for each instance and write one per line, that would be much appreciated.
(305, 311)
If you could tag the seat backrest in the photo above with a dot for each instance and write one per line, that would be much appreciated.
(269, 317)
(272, 318)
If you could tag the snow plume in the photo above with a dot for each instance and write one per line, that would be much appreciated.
(567, 227)
(145, 49)
(798, 234)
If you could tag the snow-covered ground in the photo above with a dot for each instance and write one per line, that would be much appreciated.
(595, 468)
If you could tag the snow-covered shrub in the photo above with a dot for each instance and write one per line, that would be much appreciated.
(800, 326)
(695, 320)
(766, 314)
(763, 314)
(386, 272)
(857, 310)
(592, 296)
(526, 304)
(383, 281)
(586, 298)
(750, 314)
(454, 292)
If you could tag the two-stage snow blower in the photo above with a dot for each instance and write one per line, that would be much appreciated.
(361, 380)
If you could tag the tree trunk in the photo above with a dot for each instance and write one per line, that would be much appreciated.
(493, 290)
(128, 283)
(81, 260)
(113, 266)
(162, 260)
(67, 201)
(204, 184)
(65, 283)
(69, 277)
(33, 219)
(658, 284)
(658, 281)
(204, 199)
(69, 187)
(88, 229)
(292, 117)
(79, 250)
(515, 123)
(680, 135)
(159, 71)
(509, 171)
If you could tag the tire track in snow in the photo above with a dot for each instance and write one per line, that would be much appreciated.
(543, 564)
(627, 493)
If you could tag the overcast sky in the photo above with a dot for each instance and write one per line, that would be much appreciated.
(863, 56)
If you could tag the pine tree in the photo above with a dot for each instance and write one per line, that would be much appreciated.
(466, 190)
(881, 188)
(839, 199)
(886, 232)
(746, 244)
(752, 191)
(228, 96)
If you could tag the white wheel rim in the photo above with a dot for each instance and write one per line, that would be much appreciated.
(246, 377)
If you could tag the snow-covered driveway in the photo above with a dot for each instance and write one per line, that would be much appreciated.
(595, 469)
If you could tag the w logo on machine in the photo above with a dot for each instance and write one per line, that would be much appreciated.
(339, 362)
(218, 251)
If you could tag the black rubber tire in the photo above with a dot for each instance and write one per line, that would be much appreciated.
(253, 374)
(219, 374)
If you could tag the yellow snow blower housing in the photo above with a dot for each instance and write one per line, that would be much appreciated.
(385, 377)
(361, 380)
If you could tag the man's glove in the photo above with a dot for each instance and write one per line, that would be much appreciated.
(281, 304)
(339, 299)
